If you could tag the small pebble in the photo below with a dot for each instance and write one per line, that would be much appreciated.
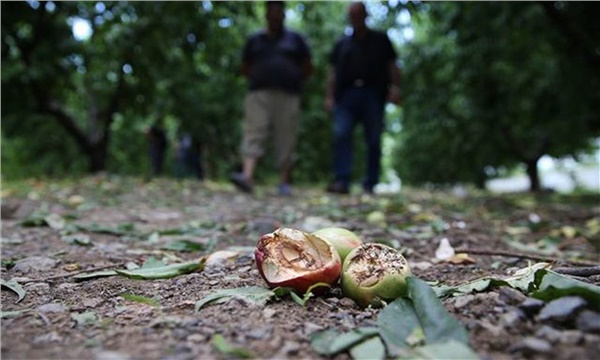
(531, 306)
(111, 355)
(589, 321)
(533, 345)
(269, 313)
(512, 318)
(52, 308)
(463, 301)
(35, 263)
(511, 296)
(571, 337)
(561, 309)
(196, 338)
(549, 333)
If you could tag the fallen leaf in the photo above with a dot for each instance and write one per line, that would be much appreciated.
(226, 348)
(14, 287)
(71, 267)
(370, 349)
(86, 318)
(162, 272)
(461, 259)
(55, 221)
(255, 294)
(140, 299)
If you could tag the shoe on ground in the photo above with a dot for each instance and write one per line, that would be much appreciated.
(338, 188)
(284, 190)
(241, 182)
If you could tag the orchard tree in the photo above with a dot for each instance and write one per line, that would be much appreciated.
(493, 85)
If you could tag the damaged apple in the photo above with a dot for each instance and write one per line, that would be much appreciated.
(295, 259)
(374, 272)
(343, 240)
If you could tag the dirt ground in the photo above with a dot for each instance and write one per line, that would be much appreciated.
(91, 319)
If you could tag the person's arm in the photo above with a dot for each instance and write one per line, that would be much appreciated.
(330, 91)
(394, 92)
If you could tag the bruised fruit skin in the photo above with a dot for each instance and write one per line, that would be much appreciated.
(374, 271)
(343, 240)
(295, 259)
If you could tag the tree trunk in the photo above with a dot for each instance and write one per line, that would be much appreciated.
(97, 158)
(534, 176)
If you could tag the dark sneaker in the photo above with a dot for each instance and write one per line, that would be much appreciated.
(241, 182)
(338, 188)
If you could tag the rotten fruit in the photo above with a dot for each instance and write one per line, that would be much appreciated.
(295, 259)
(343, 240)
(374, 272)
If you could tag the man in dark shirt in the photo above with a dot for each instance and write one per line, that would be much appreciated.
(276, 61)
(363, 75)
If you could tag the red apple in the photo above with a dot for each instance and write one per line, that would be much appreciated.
(343, 240)
(374, 271)
(295, 259)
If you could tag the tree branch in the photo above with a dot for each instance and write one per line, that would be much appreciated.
(575, 39)
(523, 256)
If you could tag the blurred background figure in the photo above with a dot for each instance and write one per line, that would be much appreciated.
(157, 140)
(363, 75)
(187, 154)
(275, 61)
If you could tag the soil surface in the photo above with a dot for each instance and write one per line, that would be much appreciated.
(107, 222)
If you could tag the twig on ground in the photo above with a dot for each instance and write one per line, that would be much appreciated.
(56, 277)
(525, 256)
(579, 271)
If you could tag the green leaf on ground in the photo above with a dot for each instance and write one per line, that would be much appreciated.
(94, 275)
(140, 299)
(255, 294)
(162, 272)
(330, 342)
(152, 263)
(121, 229)
(396, 323)
(370, 349)
(85, 318)
(403, 324)
(438, 325)
(321, 341)
(78, 239)
(551, 285)
(14, 287)
(184, 246)
(34, 220)
(523, 280)
(282, 291)
(13, 313)
(451, 350)
(227, 348)
(55, 221)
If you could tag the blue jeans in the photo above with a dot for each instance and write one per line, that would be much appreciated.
(365, 106)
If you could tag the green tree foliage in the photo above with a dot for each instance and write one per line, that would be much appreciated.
(493, 85)
(486, 86)
(74, 106)
(145, 62)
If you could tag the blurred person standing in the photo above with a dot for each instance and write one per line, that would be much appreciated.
(157, 140)
(275, 61)
(187, 153)
(362, 77)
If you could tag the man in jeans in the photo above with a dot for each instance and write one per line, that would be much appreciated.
(276, 61)
(363, 75)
